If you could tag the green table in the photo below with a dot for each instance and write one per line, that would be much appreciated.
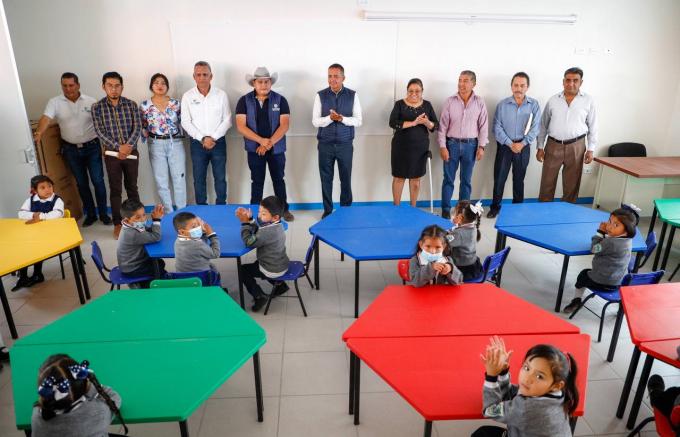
(127, 335)
(668, 210)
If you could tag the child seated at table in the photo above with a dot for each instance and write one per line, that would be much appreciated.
(611, 246)
(43, 204)
(192, 254)
(463, 237)
(432, 260)
(543, 401)
(132, 257)
(267, 235)
(72, 402)
(667, 401)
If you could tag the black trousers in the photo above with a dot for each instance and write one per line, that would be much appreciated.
(664, 401)
(37, 270)
(506, 158)
(584, 281)
(249, 274)
(489, 431)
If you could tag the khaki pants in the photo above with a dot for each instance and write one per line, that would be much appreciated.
(557, 155)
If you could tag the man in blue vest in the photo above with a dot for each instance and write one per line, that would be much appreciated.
(336, 113)
(262, 117)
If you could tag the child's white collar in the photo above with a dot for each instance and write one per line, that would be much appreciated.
(49, 199)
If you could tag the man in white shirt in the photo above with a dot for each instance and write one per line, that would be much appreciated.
(206, 117)
(336, 113)
(569, 117)
(79, 144)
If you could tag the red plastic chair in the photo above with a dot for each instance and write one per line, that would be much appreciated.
(663, 426)
(402, 268)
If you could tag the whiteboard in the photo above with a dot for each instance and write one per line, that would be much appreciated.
(301, 55)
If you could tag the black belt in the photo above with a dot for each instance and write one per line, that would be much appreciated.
(81, 145)
(463, 140)
(573, 140)
(163, 137)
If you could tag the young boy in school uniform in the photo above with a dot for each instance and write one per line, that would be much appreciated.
(192, 254)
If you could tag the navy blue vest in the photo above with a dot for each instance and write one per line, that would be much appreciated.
(274, 107)
(45, 207)
(343, 104)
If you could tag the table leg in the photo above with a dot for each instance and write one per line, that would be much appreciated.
(615, 334)
(357, 389)
(240, 282)
(642, 387)
(258, 386)
(156, 268)
(81, 266)
(498, 241)
(76, 276)
(563, 278)
(653, 221)
(8, 311)
(342, 256)
(638, 258)
(659, 246)
(316, 263)
(356, 289)
(628, 383)
(669, 244)
(351, 382)
(183, 428)
(428, 428)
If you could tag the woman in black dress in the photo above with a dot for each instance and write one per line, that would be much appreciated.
(412, 119)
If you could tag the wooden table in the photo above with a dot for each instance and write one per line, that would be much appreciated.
(636, 180)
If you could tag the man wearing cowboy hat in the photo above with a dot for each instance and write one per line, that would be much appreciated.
(262, 117)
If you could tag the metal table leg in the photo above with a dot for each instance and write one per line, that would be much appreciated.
(8, 311)
(240, 282)
(356, 289)
(258, 386)
(428, 428)
(316, 263)
(615, 334)
(76, 276)
(642, 386)
(81, 266)
(351, 382)
(563, 277)
(669, 244)
(659, 246)
(628, 383)
(357, 390)
(183, 428)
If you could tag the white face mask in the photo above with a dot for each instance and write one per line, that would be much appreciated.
(427, 257)
(196, 232)
(139, 225)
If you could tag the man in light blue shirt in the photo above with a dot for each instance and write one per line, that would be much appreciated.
(515, 126)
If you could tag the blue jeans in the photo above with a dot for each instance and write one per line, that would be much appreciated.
(462, 152)
(506, 158)
(168, 162)
(84, 160)
(328, 155)
(258, 170)
(217, 157)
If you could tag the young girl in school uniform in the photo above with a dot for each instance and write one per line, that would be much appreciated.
(431, 261)
(72, 402)
(543, 401)
(463, 237)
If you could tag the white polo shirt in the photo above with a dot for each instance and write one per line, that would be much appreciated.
(206, 116)
(74, 118)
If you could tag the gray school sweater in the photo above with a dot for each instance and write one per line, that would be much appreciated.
(195, 255)
(421, 275)
(612, 255)
(540, 416)
(90, 419)
(131, 252)
(463, 243)
(270, 242)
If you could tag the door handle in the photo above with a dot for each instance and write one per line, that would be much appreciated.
(29, 155)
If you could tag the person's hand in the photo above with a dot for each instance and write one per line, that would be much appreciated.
(243, 214)
(421, 119)
(444, 152)
(37, 136)
(540, 155)
(261, 150)
(603, 227)
(446, 268)
(496, 359)
(335, 116)
(480, 153)
(208, 143)
(437, 267)
(207, 229)
(157, 212)
(516, 147)
(588, 157)
(34, 219)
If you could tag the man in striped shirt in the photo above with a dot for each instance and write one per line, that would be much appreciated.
(118, 126)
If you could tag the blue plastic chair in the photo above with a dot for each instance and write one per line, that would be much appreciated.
(208, 277)
(651, 243)
(491, 268)
(115, 277)
(613, 296)
(296, 270)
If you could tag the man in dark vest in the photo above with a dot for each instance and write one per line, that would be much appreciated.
(336, 113)
(262, 117)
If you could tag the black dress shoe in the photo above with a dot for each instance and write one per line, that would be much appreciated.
(492, 213)
(325, 214)
(4, 354)
(36, 279)
(259, 303)
(24, 282)
(105, 219)
(446, 215)
(89, 220)
(280, 289)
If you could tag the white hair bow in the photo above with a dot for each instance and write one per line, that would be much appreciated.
(634, 208)
(477, 208)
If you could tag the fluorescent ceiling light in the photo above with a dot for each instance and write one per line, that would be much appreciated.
(468, 18)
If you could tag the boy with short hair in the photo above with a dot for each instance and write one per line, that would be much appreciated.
(267, 235)
(132, 257)
(192, 254)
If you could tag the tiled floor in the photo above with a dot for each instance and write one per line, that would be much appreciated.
(305, 365)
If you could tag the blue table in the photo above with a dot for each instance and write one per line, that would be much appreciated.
(223, 220)
(563, 228)
(372, 233)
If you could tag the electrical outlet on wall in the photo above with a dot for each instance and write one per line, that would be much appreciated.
(587, 169)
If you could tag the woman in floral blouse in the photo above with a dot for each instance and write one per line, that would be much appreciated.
(162, 129)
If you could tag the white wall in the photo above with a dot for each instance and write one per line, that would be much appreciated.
(637, 87)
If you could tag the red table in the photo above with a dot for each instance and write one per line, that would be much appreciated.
(653, 315)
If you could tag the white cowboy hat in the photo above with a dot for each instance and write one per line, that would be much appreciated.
(261, 73)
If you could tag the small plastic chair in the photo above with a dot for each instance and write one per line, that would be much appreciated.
(664, 427)
(491, 268)
(402, 269)
(208, 277)
(176, 283)
(115, 277)
(627, 150)
(296, 270)
(614, 296)
(651, 243)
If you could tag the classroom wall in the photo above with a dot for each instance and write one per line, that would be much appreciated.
(636, 85)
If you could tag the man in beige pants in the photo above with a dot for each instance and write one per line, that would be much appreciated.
(569, 119)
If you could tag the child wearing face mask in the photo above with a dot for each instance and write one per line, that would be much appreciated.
(431, 261)
(543, 401)
(132, 257)
(192, 254)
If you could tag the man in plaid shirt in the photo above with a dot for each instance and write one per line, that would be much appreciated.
(118, 126)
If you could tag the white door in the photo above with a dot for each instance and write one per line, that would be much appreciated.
(17, 158)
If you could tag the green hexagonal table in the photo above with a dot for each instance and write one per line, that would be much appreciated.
(164, 350)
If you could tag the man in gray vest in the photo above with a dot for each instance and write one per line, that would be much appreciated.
(336, 113)
(262, 117)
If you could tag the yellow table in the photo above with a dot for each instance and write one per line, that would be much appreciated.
(22, 245)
